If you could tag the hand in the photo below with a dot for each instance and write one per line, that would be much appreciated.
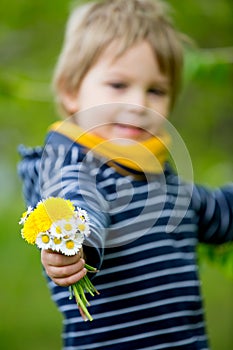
(63, 270)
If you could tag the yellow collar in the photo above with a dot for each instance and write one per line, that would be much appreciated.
(147, 157)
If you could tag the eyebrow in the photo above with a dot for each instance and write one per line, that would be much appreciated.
(124, 75)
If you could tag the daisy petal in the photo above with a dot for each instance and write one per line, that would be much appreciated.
(43, 240)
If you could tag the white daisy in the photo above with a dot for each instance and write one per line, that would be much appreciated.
(70, 247)
(78, 238)
(83, 227)
(43, 240)
(56, 243)
(82, 214)
(64, 228)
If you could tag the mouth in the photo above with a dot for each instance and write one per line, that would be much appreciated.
(129, 130)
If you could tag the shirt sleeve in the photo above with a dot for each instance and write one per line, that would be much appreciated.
(214, 209)
(68, 173)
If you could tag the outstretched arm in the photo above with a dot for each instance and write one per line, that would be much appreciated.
(65, 172)
(215, 212)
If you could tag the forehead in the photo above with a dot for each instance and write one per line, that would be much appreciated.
(137, 57)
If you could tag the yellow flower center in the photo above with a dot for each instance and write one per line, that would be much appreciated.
(81, 227)
(45, 238)
(69, 244)
(58, 230)
(57, 240)
(68, 227)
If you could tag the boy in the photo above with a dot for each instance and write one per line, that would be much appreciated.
(117, 79)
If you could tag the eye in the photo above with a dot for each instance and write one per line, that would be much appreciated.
(117, 85)
(157, 91)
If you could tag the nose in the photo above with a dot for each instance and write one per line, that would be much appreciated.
(136, 109)
(137, 102)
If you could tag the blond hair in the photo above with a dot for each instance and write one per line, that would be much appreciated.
(92, 27)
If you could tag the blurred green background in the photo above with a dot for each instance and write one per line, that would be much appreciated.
(31, 34)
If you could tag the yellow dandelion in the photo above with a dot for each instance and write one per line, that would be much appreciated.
(58, 208)
(55, 224)
(25, 215)
(42, 217)
(30, 230)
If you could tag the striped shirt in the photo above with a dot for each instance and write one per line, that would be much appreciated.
(144, 233)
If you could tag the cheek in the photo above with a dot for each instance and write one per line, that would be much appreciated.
(95, 117)
(102, 131)
(157, 121)
(162, 107)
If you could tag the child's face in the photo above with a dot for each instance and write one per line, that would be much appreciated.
(133, 84)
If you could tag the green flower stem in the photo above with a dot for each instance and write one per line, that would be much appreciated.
(89, 286)
(80, 302)
(79, 289)
(90, 268)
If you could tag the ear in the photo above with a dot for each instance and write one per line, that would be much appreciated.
(69, 101)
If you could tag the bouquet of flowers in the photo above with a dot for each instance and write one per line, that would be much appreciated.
(56, 224)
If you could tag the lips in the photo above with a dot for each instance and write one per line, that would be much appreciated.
(129, 131)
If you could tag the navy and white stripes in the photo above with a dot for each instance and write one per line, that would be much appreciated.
(143, 240)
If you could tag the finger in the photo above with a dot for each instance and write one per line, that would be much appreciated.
(64, 271)
(49, 257)
(68, 281)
